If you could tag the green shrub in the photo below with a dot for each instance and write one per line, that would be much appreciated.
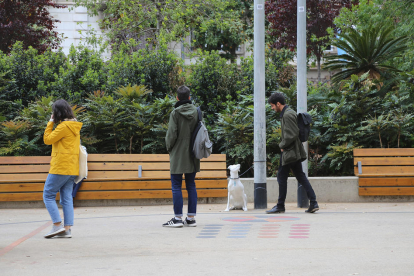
(30, 73)
(153, 68)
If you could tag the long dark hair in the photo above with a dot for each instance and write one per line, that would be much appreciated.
(61, 111)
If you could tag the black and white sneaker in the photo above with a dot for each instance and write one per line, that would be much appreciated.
(190, 223)
(175, 223)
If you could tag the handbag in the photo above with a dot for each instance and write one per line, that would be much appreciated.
(83, 169)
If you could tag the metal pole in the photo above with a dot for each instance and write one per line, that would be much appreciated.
(260, 193)
(302, 102)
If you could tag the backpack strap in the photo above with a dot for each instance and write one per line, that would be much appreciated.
(200, 116)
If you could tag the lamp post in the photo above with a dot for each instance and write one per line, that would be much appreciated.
(302, 102)
(260, 193)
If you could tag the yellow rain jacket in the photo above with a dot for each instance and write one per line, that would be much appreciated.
(65, 141)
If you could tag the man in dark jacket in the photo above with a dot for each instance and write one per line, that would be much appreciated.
(183, 120)
(293, 154)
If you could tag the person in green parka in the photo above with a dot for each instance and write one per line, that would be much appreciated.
(183, 120)
(292, 155)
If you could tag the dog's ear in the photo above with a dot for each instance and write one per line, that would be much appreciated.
(238, 167)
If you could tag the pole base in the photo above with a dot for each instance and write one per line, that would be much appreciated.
(260, 196)
(303, 201)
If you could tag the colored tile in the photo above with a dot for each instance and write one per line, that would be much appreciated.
(208, 234)
(236, 237)
(267, 237)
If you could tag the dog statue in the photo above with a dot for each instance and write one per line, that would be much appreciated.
(237, 199)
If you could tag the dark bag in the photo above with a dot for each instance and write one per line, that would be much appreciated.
(304, 122)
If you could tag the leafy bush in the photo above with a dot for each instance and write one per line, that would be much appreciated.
(156, 69)
(357, 114)
(213, 81)
(30, 73)
(234, 130)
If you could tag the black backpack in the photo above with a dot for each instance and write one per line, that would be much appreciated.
(304, 122)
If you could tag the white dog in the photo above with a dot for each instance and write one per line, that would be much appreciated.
(236, 197)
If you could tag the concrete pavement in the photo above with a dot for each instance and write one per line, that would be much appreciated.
(341, 239)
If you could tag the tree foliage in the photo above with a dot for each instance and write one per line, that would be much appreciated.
(159, 22)
(226, 38)
(28, 21)
(370, 50)
(376, 13)
(282, 17)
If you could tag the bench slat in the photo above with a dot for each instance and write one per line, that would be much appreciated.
(386, 191)
(146, 157)
(384, 161)
(384, 152)
(110, 175)
(385, 171)
(387, 181)
(25, 160)
(120, 185)
(108, 167)
(113, 195)
(105, 157)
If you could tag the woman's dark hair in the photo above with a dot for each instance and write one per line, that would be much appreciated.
(61, 111)
(183, 92)
(277, 97)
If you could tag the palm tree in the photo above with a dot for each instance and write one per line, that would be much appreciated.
(367, 51)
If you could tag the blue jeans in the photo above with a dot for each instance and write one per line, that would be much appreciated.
(64, 184)
(176, 186)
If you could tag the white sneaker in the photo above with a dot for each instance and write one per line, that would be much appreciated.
(66, 234)
(56, 229)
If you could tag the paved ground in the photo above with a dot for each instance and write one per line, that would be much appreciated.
(342, 239)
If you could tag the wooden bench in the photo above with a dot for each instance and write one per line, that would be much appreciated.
(385, 172)
(111, 176)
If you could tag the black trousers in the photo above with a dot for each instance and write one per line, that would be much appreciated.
(282, 177)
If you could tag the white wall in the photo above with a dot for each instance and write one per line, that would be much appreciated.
(73, 21)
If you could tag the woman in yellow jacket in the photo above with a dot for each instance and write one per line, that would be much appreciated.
(64, 166)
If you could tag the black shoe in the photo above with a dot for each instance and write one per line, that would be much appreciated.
(276, 209)
(190, 223)
(313, 208)
(175, 223)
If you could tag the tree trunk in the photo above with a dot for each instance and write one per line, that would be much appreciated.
(130, 144)
(318, 62)
(379, 134)
(399, 135)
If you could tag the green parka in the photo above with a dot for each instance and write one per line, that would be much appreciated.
(183, 120)
(293, 149)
